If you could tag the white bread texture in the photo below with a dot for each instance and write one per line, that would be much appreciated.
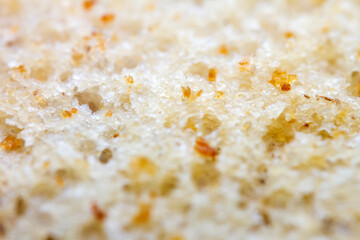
(179, 120)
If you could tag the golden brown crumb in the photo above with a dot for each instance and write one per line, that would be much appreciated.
(88, 4)
(282, 80)
(307, 96)
(115, 135)
(198, 94)
(204, 149)
(129, 79)
(21, 69)
(289, 35)
(107, 18)
(223, 50)
(204, 174)
(212, 75)
(77, 57)
(74, 110)
(143, 215)
(285, 87)
(98, 213)
(12, 143)
(109, 113)
(186, 91)
(244, 65)
(142, 165)
(66, 114)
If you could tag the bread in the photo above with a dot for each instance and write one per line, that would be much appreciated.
(179, 120)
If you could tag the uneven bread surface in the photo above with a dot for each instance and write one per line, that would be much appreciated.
(179, 120)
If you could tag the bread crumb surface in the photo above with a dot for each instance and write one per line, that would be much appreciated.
(166, 119)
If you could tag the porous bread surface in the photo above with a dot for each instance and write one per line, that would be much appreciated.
(179, 120)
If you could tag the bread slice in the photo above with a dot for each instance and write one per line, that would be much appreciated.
(179, 120)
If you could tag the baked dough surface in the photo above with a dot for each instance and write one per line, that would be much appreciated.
(179, 120)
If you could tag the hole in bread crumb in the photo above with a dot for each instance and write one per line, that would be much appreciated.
(199, 69)
(90, 98)
(41, 70)
(127, 61)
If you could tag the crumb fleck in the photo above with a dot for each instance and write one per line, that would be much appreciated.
(107, 18)
(66, 114)
(98, 213)
(289, 35)
(109, 113)
(212, 75)
(244, 65)
(129, 79)
(186, 91)
(74, 110)
(143, 215)
(88, 4)
(12, 143)
(285, 87)
(204, 149)
(282, 80)
(223, 50)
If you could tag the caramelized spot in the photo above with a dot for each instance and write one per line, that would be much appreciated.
(143, 215)
(198, 94)
(74, 110)
(282, 80)
(212, 75)
(204, 174)
(223, 50)
(204, 149)
(107, 18)
(115, 135)
(21, 69)
(66, 114)
(88, 4)
(244, 65)
(109, 113)
(98, 213)
(285, 87)
(12, 143)
(186, 91)
(142, 165)
(307, 96)
(289, 35)
(129, 79)
(219, 94)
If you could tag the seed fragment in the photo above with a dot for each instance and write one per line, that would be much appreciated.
(105, 156)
